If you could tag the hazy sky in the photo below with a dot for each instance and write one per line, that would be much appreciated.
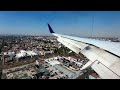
(106, 23)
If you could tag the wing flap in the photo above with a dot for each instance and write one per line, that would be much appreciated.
(87, 65)
(103, 71)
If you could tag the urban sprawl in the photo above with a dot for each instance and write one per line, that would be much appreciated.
(33, 57)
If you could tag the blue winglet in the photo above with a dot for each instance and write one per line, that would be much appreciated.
(51, 30)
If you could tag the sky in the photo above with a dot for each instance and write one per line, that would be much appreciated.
(78, 23)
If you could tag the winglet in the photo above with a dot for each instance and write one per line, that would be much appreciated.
(51, 30)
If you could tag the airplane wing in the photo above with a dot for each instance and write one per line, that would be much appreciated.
(104, 56)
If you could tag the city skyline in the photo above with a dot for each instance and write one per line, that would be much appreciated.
(78, 23)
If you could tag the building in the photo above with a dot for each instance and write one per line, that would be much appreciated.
(67, 72)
